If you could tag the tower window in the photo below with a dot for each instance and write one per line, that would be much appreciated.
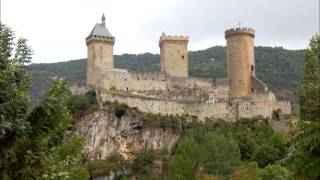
(100, 51)
(252, 90)
(182, 56)
(252, 68)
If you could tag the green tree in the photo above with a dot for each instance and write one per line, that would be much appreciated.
(249, 171)
(309, 94)
(221, 154)
(265, 154)
(186, 162)
(304, 151)
(49, 151)
(14, 101)
(275, 172)
(303, 155)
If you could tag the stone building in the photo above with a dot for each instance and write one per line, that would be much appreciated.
(172, 91)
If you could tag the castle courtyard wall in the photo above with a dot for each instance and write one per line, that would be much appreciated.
(228, 111)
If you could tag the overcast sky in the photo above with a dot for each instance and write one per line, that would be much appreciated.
(56, 29)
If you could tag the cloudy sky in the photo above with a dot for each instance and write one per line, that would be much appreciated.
(56, 29)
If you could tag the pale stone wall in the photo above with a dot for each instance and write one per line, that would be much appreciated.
(153, 105)
(174, 55)
(132, 81)
(285, 106)
(121, 79)
(240, 55)
(259, 104)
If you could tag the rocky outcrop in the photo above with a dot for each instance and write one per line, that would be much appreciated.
(105, 133)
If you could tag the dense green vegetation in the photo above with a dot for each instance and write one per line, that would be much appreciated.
(34, 145)
(281, 69)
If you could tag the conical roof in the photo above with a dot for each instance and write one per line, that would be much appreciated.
(100, 29)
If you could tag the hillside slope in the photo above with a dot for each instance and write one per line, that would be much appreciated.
(279, 68)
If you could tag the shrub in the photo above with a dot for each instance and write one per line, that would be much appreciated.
(79, 104)
(120, 110)
(275, 172)
(265, 154)
(172, 122)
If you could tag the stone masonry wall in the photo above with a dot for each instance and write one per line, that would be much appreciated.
(150, 105)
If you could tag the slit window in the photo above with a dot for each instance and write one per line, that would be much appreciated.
(252, 68)
(182, 56)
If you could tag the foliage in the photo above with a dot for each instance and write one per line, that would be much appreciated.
(303, 156)
(265, 154)
(103, 167)
(275, 172)
(120, 110)
(186, 162)
(217, 156)
(142, 165)
(221, 154)
(14, 102)
(249, 171)
(79, 104)
(50, 153)
(309, 94)
(170, 121)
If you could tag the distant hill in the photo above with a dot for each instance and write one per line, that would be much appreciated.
(279, 68)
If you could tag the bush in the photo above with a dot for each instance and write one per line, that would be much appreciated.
(172, 122)
(265, 154)
(275, 172)
(248, 171)
(79, 104)
(142, 165)
(120, 110)
(103, 167)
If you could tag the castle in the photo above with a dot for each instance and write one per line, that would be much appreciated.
(171, 91)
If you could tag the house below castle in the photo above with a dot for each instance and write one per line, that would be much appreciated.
(171, 91)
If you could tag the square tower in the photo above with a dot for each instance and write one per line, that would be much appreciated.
(100, 52)
(174, 55)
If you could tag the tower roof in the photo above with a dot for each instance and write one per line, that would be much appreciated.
(100, 29)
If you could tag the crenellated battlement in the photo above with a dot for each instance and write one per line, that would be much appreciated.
(110, 40)
(239, 31)
(174, 38)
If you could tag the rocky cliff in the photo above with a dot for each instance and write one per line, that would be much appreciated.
(105, 132)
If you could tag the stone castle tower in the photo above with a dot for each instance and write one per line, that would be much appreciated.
(174, 55)
(240, 59)
(100, 52)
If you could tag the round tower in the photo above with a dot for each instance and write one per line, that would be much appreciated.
(240, 59)
(100, 52)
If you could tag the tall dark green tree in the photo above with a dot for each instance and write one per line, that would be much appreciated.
(309, 94)
(14, 102)
(303, 157)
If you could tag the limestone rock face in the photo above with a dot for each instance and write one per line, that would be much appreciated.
(105, 133)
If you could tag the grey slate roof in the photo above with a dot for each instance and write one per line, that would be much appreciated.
(100, 30)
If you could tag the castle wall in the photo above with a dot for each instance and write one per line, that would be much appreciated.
(132, 81)
(285, 106)
(256, 107)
